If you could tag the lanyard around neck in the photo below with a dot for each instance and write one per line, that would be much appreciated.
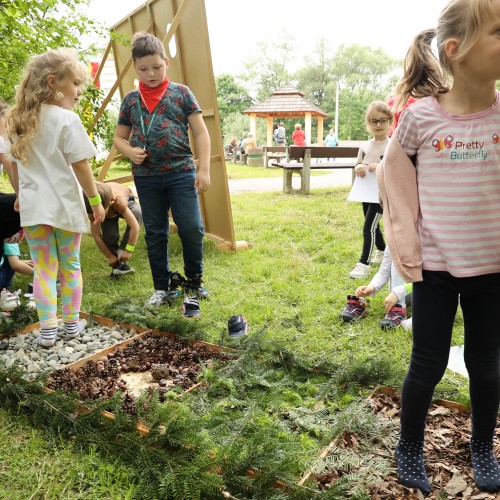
(143, 128)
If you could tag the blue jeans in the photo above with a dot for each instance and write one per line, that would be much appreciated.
(176, 192)
(6, 274)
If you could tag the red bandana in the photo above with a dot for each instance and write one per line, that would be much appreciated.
(151, 96)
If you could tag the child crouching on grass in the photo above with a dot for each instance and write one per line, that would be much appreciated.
(119, 203)
(394, 303)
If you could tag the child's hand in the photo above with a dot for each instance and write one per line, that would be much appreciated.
(138, 155)
(202, 181)
(360, 170)
(16, 205)
(372, 167)
(99, 214)
(364, 291)
(112, 260)
(390, 301)
(126, 255)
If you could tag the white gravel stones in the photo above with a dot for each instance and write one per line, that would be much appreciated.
(35, 359)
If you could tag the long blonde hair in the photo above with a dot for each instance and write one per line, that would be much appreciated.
(34, 90)
(428, 75)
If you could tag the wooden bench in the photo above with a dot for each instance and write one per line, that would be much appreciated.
(303, 166)
(277, 153)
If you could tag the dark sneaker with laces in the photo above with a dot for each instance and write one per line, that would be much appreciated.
(393, 318)
(196, 285)
(175, 285)
(355, 308)
(121, 268)
(191, 307)
(237, 326)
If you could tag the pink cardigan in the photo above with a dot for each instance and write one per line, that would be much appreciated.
(397, 184)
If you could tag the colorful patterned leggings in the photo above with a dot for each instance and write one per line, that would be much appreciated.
(55, 251)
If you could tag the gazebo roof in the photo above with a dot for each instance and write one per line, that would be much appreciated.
(287, 102)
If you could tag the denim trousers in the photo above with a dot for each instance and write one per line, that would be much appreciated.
(176, 192)
(6, 274)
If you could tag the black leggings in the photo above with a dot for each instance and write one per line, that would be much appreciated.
(435, 302)
(372, 235)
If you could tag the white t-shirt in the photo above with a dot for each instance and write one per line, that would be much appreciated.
(4, 144)
(49, 192)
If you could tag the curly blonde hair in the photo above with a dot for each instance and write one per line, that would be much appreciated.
(34, 90)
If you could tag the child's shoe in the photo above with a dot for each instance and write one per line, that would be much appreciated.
(237, 326)
(378, 257)
(157, 299)
(175, 285)
(406, 324)
(354, 309)
(360, 271)
(191, 308)
(393, 318)
(197, 286)
(8, 300)
(120, 268)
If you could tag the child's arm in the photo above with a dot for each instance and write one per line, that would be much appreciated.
(20, 266)
(397, 295)
(360, 168)
(85, 177)
(202, 143)
(131, 221)
(380, 279)
(14, 180)
(96, 233)
(365, 290)
(4, 160)
(120, 141)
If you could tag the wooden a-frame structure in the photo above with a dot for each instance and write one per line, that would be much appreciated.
(182, 26)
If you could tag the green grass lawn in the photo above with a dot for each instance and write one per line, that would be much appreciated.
(291, 285)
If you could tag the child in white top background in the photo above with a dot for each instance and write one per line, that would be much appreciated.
(441, 178)
(50, 152)
(378, 119)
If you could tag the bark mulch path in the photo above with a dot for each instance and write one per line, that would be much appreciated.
(447, 453)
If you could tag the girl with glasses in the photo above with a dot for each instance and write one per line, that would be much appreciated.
(378, 119)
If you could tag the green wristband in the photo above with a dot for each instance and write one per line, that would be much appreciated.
(95, 200)
(129, 248)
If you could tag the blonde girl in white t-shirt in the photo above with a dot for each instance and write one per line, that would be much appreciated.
(50, 152)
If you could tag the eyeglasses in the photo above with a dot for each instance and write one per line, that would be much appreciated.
(382, 121)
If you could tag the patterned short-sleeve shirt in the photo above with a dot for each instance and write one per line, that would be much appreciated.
(163, 133)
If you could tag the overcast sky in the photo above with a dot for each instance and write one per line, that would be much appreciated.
(235, 26)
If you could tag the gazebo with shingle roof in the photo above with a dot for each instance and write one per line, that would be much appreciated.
(287, 102)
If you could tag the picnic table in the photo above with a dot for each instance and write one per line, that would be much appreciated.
(299, 162)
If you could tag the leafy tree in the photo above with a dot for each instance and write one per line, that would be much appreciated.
(364, 75)
(231, 96)
(29, 27)
(268, 70)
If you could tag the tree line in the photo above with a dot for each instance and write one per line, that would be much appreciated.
(361, 73)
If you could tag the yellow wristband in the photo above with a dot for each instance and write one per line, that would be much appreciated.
(95, 200)
(129, 248)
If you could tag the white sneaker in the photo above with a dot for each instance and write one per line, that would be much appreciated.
(378, 257)
(360, 271)
(9, 301)
(406, 324)
(157, 299)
